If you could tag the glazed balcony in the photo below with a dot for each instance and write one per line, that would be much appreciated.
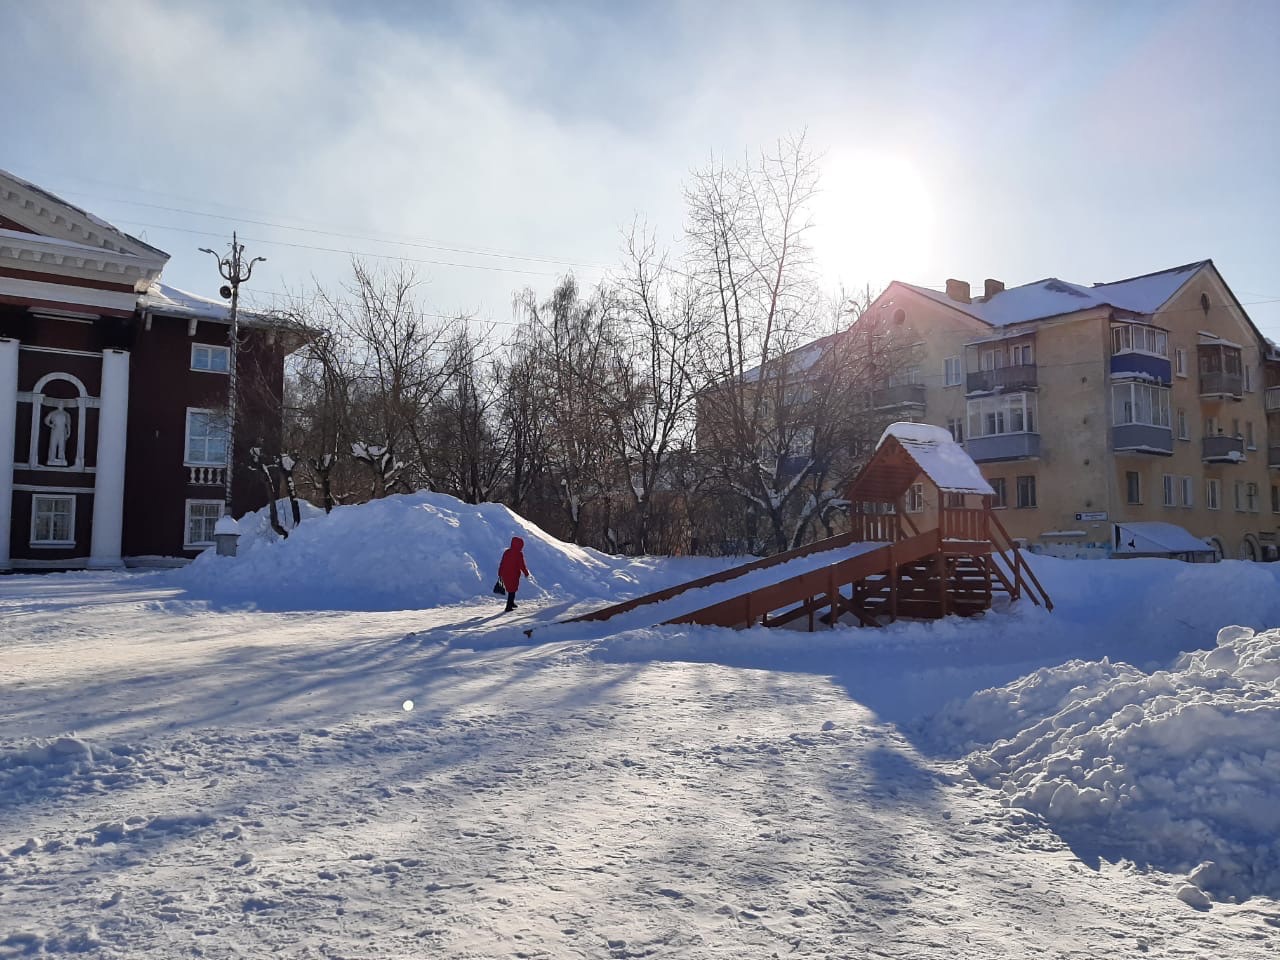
(1003, 446)
(1220, 384)
(1222, 449)
(1142, 438)
(1023, 376)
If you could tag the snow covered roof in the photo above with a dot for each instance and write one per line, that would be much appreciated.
(1052, 297)
(170, 301)
(1154, 537)
(939, 457)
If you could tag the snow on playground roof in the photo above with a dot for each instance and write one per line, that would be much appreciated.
(1154, 537)
(938, 455)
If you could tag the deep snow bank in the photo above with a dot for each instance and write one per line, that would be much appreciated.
(405, 552)
(1178, 768)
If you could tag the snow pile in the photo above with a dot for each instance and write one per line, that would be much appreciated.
(1177, 768)
(402, 552)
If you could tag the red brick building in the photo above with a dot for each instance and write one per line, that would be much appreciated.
(113, 395)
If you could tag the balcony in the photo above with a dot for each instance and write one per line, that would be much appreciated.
(1219, 384)
(1003, 446)
(899, 395)
(1273, 399)
(206, 476)
(1141, 366)
(1142, 438)
(1023, 376)
(1222, 449)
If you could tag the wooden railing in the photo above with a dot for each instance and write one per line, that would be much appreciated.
(1020, 576)
(963, 523)
(876, 527)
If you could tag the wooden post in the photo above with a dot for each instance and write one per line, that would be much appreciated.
(893, 587)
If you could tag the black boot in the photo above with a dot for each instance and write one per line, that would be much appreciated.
(511, 602)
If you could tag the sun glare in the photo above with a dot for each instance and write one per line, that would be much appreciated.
(873, 218)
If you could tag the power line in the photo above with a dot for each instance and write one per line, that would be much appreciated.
(427, 244)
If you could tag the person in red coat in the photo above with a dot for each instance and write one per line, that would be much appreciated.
(510, 568)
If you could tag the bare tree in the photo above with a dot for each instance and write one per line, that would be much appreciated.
(651, 383)
(746, 232)
(569, 339)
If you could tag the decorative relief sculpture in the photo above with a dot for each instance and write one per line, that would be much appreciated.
(59, 423)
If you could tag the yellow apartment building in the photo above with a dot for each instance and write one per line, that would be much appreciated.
(1122, 418)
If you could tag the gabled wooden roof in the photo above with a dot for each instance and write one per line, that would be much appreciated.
(908, 451)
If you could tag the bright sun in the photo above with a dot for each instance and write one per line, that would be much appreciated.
(873, 219)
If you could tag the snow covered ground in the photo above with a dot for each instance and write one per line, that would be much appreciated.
(218, 762)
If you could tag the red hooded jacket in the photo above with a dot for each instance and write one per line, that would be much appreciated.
(512, 565)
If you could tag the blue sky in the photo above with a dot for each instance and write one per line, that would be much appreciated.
(509, 143)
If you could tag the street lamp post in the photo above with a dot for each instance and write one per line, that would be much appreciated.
(235, 271)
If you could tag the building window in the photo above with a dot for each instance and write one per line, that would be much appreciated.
(1001, 499)
(1251, 497)
(1169, 490)
(1248, 435)
(1183, 432)
(1188, 492)
(1275, 499)
(1009, 413)
(915, 498)
(1139, 403)
(1026, 491)
(206, 438)
(1248, 378)
(1021, 355)
(953, 371)
(53, 521)
(205, 356)
(1133, 486)
(1239, 492)
(1180, 362)
(1139, 338)
(954, 501)
(956, 426)
(202, 517)
(1213, 494)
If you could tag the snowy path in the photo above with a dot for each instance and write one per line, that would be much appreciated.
(255, 787)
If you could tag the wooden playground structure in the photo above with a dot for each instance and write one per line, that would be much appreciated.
(886, 566)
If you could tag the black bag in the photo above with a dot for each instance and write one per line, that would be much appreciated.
(499, 588)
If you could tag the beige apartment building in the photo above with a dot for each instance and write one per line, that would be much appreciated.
(1118, 419)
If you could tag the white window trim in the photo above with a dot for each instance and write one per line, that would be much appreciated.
(52, 543)
(1135, 502)
(949, 364)
(1161, 405)
(1212, 501)
(1182, 424)
(186, 523)
(1169, 486)
(1188, 485)
(1141, 350)
(186, 441)
(914, 505)
(1180, 362)
(1017, 492)
(211, 347)
(1004, 404)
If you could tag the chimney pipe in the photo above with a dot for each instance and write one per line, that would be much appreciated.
(958, 290)
(992, 287)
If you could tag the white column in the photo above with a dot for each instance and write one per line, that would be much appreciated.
(108, 486)
(8, 428)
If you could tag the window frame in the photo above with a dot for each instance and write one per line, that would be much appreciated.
(1169, 486)
(1124, 337)
(1001, 408)
(36, 498)
(187, 461)
(1020, 486)
(187, 543)
(1188, 491)
(915, 498)
(1212, 493)
(211, 350)
(950, 364)
(1180, 362)
(1133, 490)
(1182, 425)
(1001, 487)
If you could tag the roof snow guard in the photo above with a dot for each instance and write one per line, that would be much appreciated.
(906, 452)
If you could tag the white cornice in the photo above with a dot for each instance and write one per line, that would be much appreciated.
(28, 250)
(36, 292)
(57, 220)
